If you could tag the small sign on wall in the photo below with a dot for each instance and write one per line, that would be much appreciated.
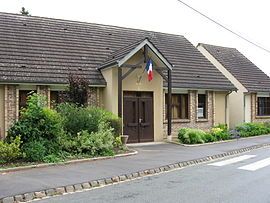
(200, 112)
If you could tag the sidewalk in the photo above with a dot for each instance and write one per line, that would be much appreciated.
(148, 157)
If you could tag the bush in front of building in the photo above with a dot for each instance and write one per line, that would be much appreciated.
(220, 132)
(191, 136)
(78, 118)
(10, 151)
(98, 143)
(197, 136)
(47, 135)
(253, 129)
(39, 128)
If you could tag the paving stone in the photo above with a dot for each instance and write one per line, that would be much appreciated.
(122, 178)
(157, 170)
(50, 192)
(108, 181)
(69, 188)
(29, 196)
(8, 200)
(101, 182)
(40, 194)
(115, 179)
(151, 171)
(167, 168)
(171, 166)
(86, 185)
(94, 183)
(60, 190)
(18, 198)
(135, 175)
(141, 173)
(176, 166)
(78, 187)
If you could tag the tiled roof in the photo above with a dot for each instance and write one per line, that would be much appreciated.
(44, 50)
(246, 72)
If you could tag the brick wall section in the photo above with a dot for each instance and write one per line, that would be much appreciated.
(93, 96)
(45, 91)
(11, 105)
(193, 122)
(254, 117)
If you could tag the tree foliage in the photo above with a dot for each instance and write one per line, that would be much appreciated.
(78, 89)
(24, 12)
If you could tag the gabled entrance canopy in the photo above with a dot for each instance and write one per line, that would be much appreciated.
(120, 59)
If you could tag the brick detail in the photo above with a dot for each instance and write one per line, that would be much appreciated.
(193, 122)
(45, 91)
(11, 105)
(93, 96)
(254, 109)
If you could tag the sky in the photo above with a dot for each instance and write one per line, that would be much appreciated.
(248, 18)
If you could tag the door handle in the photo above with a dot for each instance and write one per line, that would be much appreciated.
(140, 120)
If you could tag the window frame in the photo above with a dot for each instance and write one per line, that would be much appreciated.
(205, 106)
(178, 106)
(264, 108)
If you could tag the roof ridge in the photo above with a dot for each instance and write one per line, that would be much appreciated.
(204, 44)
(87, 23)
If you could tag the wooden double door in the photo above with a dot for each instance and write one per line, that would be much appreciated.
(138, 116)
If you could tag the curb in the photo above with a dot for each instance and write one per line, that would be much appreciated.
(124, 177)
(21, 168)
(218, 142)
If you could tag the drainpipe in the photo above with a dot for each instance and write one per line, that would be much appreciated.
(244, 119)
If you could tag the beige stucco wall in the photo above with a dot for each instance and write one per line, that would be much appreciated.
(221, 111)
(130, 83)
(247, 114)
(110, 92)
(2, 111)
(236, 99)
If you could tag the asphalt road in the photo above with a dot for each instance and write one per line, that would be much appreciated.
(150, 156)
(245, 178)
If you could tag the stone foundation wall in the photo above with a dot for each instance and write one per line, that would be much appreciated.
(193, 122)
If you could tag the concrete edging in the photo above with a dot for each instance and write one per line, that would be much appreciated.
(21, 168)
(124, 177)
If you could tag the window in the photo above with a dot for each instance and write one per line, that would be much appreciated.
(202, 104)
(263, 104)
(57, 97)
(179, 106)
(23, 94)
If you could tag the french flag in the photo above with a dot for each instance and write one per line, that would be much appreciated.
(149, 69)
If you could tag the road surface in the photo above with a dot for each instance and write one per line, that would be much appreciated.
(244, 178)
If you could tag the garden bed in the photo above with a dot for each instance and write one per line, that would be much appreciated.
(70, 131)
(220, 133)
(23, 165)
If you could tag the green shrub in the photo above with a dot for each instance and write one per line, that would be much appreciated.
(77, 119)
(52, 158)
(191, 136)
(35, 150)
(37, 122)
(252, 129)
(117, 142)
(220, 133)
(10, 151)
(96, 143)
(209, 137)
